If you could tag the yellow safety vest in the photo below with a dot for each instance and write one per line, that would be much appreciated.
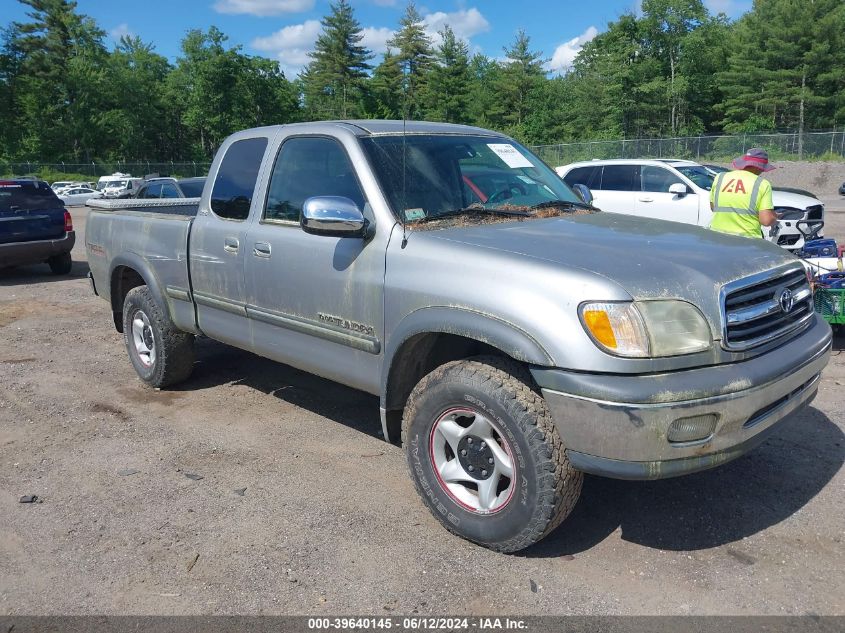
(738, 196)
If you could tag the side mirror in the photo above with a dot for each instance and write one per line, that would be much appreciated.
(333, 215)
(583, 192)
(679, 189)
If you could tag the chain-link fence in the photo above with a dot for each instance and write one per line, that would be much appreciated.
(781, 146)
(96, 169)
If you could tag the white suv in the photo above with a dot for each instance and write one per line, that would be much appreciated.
(678, 190)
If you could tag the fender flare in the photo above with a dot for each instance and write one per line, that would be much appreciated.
(478, 326)
(140, 266)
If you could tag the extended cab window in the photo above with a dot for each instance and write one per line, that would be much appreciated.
(620, 178)
(658, 179)
(307, 167)
(169, 191)
(235, 183)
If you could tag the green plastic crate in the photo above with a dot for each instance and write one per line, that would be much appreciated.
(830, 304)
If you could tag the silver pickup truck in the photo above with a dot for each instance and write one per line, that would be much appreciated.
(516, 336)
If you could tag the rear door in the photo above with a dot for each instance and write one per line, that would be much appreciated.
(30, 211)
(218, 242)
(655, 201)
(620, 186)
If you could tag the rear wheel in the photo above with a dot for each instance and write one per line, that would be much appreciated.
(60, 264)
(161, 354)
(485, 456)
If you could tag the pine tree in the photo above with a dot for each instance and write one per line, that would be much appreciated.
(385, 94)
(519, 77)
(334, 78)
(449, 82)
(61, 72)
(415, 55)
(785, 69)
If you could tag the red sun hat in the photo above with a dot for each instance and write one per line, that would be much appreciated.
(755, 157)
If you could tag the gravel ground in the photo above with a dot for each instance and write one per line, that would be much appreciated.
(329, 522)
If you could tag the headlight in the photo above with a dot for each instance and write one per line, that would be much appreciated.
(646, 329)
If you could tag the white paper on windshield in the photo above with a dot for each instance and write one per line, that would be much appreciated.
(510, 155)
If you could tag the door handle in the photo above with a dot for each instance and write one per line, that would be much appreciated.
(230, 245)
(646, 199)
(261, 249)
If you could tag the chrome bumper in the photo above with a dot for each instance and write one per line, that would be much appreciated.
(626, 438)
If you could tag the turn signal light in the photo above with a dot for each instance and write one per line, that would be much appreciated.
(692, 429)
(68, 222)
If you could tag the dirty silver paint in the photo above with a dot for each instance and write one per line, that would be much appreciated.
(513, 285)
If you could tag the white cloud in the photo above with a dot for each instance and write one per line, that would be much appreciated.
(375, 38)
(263, 7)
(566, 53)
(290, 45)
(730, 8)
(466, 23)
(121, 30)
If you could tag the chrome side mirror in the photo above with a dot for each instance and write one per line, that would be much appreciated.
(333, 215)
(679, 189)
(583, 192)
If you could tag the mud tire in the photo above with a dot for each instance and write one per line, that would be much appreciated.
(503, 391)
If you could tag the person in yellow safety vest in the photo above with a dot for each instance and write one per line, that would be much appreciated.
(741, 200)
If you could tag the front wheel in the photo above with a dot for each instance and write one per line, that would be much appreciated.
(161, 354)
(485, 456)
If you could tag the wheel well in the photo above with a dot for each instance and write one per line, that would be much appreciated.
(123, 279)
(418, 356)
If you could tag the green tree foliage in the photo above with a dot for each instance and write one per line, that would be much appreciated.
(449, 81)
(416, 57)
(672, 69)
(334, 79)
(516, 85)
(786, 64)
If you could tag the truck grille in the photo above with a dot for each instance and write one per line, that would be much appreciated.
(760, 309)
(815, 212)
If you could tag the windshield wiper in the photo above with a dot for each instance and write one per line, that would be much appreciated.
(469, 211)
(566, 204)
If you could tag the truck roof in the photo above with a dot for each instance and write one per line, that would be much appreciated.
(374, 127)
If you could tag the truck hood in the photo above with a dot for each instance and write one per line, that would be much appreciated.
(648, 258)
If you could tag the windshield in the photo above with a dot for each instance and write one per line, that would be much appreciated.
(699, 175)
(110, 183)
(448, 174)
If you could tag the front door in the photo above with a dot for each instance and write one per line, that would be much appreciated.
(315, 302)
(655, 201)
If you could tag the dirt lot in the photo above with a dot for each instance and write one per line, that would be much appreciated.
(329, 522)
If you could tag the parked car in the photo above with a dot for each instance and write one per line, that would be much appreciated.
(679, 190)
(514, 343)
(61, 184)
(157, 188)
(35, 227)
(842, 189)
(118, 185)
(76, 196)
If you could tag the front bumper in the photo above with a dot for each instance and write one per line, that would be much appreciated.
(617, 425)
(20, 253)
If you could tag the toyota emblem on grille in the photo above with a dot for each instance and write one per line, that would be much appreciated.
(786, 300)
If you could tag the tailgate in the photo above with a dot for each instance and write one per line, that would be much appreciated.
(28, 226)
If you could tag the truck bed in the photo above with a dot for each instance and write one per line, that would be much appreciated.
(144, 235)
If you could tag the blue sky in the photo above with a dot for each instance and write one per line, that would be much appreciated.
(286, 29)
